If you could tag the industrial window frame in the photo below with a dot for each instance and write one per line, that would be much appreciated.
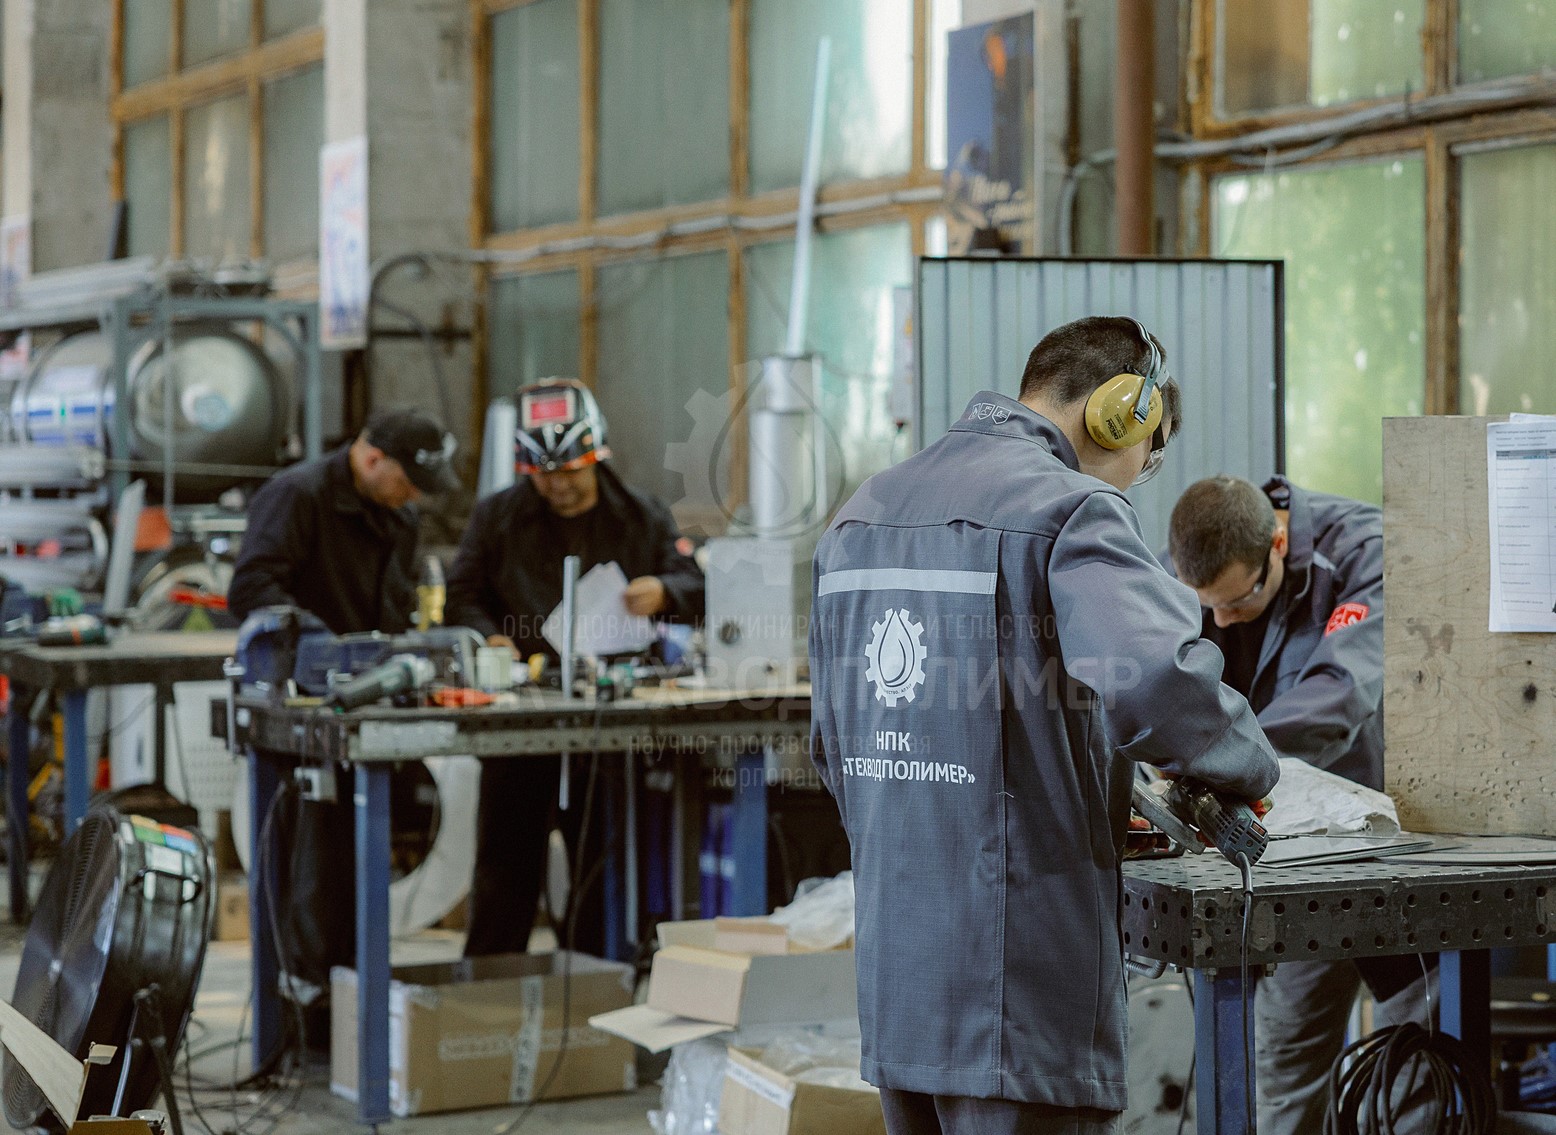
(1439, 143)
(183, 89)
(912, 197)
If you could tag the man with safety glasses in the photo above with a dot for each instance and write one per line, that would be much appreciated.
(505, 580)
(1291, 583)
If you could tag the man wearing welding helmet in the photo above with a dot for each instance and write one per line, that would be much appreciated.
(505, 580)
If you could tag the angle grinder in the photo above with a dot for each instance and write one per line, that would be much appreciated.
(1195, 815)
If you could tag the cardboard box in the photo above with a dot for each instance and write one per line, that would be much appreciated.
(750, 936)
(484, 1032)
(757, 1100)
(695, 990)
(232, 910)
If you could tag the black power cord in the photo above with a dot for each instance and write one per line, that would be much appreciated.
(1246, 870)
(1363, 1083)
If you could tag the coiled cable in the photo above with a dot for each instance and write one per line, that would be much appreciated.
(1363, 1085)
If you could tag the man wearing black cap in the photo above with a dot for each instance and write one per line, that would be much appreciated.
(337, 537)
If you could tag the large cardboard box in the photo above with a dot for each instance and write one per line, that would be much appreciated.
(758, 1100)
(484, 1032)
(695, 990)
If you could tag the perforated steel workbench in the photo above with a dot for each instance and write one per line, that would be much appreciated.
(1189, 912)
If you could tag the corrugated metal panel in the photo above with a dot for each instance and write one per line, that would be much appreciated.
(1219, 320)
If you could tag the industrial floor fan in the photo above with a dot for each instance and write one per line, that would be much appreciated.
(113, 956)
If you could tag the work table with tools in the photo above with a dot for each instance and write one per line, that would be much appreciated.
(1185, 911)
(749, 734)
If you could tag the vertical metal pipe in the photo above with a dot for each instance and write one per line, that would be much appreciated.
(810, 175)
(169, 402)
(1134, 94)
(570, 567)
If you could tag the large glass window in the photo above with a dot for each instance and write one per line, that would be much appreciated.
(1283, 53)
(148, 185)
(534, 115)
(849, 328)
(532, 329)
(1505, 37)
(1507, 287)
(227, 209)
(664, 130)
(1353, 238)
(217, 213)
(663, 336)
(869, 91)
(294, 133)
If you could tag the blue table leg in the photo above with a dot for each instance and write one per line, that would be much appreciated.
(1221, 1076)
(1465, 980)
(78, 771)
(615, 925)
(264, 783)
(372, 816)
(18, 736)
(748, 835)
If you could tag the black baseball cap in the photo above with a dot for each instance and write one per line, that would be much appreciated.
(419, 443)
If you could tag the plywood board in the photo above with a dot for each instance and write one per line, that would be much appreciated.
(1469, 716)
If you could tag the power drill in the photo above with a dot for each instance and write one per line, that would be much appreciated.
(1193, 813)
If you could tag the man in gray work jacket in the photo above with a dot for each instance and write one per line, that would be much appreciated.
(1291, 582)
(992, 645)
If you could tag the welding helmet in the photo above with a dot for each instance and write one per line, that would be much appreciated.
(560, 427)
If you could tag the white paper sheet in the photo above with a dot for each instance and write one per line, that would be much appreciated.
(1521, 506)
(604, 625)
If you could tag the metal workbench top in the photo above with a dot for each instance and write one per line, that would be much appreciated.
(707, 722)
(128, 659)
(1189, 910)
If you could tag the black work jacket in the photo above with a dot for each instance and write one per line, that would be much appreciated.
(314, 542)
(507, 575)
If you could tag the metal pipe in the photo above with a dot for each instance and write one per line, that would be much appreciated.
(1134, 96)
(570, 567)
(169, 403)
(804, 226)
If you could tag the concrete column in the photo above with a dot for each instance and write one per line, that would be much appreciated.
(399, 72)
(58, 133)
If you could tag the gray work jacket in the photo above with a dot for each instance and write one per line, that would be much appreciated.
(1318, 686)
(991, 644)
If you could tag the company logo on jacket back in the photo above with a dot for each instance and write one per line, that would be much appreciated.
(894, 659)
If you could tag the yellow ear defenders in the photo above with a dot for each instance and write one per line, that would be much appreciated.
(1127, 408)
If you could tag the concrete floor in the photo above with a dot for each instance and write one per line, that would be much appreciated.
(219, 1009)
